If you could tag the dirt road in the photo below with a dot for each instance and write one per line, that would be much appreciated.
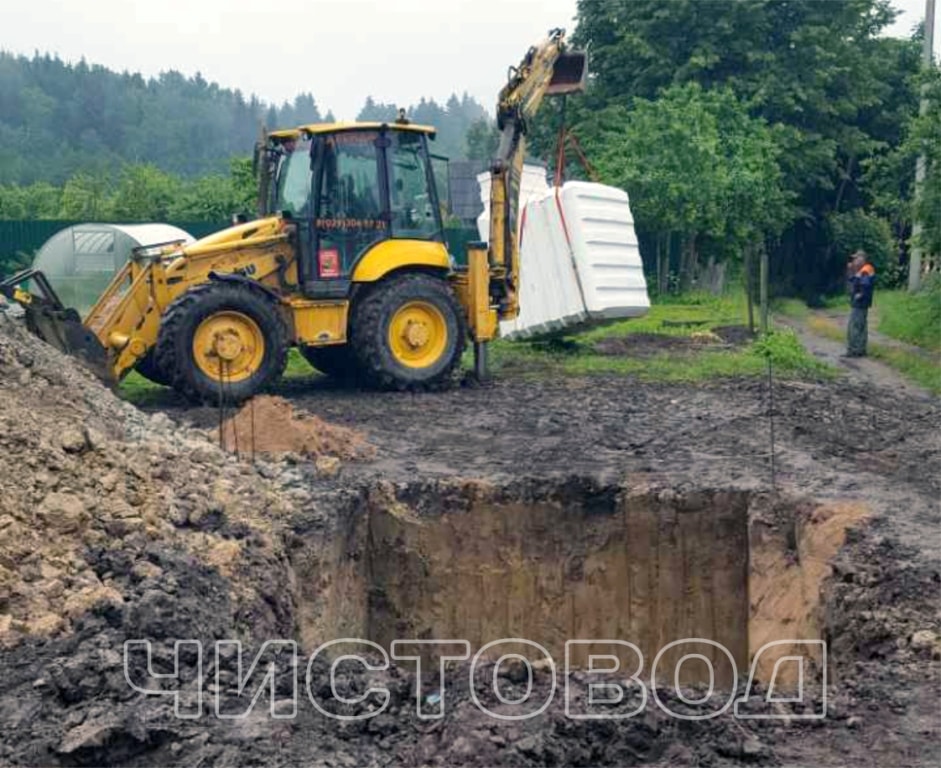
(859, 370)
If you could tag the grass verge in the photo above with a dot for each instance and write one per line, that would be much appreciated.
(914, 318)
(791, 308)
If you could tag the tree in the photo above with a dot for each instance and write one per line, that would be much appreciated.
(85, 198)
(481, 140)
(36, 201)
(58, 119)
(924, 139)
(144, 193)
(833, 92)
(696, 166)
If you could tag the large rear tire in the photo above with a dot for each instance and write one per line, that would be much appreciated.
(408, 333)
(222, 340)
(336, 361)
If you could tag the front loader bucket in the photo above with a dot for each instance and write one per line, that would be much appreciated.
(569, 73)
(56, 325)
(63, 329)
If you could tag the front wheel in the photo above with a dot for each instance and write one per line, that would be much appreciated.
(223, 341)
(408, 333)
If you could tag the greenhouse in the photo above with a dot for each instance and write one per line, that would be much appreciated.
(81, 260)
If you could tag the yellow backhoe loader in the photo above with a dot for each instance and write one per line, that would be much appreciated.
(348, 263)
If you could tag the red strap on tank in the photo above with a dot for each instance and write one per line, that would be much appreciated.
(568, 241)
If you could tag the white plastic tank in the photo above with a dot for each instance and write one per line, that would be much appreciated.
(579, 256)
(533, 185)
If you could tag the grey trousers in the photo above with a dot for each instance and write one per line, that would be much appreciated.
(857, 332)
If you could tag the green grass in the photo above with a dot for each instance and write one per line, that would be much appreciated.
(925, 371)
(575, 355)
(839, 301)
(136, 389)
(703, 314)
(912, 318)
(791, 308)
(298, 367)
(698, 367)
(140, 391)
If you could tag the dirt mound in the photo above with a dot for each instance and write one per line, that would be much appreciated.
(83, 473)
(269, 425)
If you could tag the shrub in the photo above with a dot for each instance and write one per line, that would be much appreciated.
(857, 230)
(786, 353)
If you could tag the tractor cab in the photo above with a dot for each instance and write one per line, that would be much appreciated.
(351, 187)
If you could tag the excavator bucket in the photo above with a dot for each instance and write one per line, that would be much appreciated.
(56, 325)
(63, 329)
(568, 74)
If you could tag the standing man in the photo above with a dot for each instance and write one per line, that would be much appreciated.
(861, 283)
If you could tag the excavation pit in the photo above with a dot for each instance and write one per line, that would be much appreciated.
(551, 562)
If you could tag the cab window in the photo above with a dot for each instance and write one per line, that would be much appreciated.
(410, 202)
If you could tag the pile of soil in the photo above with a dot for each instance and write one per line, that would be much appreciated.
(269, 425)
(83, 474)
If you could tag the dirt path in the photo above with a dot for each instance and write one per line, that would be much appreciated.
(841, 316)
(858, 370)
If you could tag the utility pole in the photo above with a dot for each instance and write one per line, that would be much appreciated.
(914, 261)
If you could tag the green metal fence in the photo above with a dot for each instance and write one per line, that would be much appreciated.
(20, 239)
(457, 240)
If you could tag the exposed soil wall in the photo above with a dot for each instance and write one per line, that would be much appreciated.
(574, 560)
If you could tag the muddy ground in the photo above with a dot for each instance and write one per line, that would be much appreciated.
(64, 699)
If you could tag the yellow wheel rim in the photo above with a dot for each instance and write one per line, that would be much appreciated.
(418, 334)
(228, 343)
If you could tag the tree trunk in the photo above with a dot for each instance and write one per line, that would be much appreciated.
(688, 263)
(713, 277)
(663, 275)
(659, 264)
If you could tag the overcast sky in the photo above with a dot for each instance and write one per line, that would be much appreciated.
(339, 50)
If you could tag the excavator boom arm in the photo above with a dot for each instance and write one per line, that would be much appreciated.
(546, 69)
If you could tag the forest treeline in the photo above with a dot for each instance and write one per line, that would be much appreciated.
(742, 125)
(58, 120)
